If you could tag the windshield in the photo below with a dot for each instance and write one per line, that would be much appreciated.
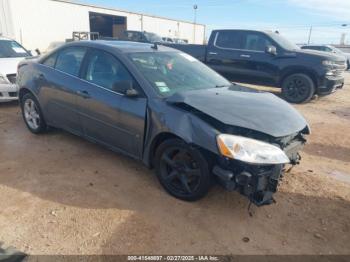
(337, 50)
(9, 48)
(153, 38)
(284, 42)
(171, 72)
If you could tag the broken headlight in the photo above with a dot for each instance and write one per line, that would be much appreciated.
(250, 150)
(3, 79)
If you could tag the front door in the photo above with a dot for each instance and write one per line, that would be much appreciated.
(255, 63)
(107, 115)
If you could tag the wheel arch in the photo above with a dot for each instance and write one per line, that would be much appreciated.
(23, 91)
(158, 140)
(163, 136)
(299, 70)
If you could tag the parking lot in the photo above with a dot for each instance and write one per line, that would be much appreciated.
(60, 194)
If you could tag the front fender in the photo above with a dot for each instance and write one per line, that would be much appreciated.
(166, 119)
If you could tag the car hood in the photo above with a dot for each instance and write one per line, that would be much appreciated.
(259, 111)
(321, 54)
(9, 65)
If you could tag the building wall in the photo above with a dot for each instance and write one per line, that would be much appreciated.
(6, 25)
(37, 23)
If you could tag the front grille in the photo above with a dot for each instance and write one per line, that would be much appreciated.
(12, 78)
(13, 94)
(340, 66)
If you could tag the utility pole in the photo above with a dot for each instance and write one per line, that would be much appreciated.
(310, 32)
(343, 35)
(141, 20)
(195, 7)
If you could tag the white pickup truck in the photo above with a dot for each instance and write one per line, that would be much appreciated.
(11, 53)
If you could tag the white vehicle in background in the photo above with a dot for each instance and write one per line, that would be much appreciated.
(331, 49)
(11, 53)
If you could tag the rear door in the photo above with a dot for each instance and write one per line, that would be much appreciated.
(223, 53)
(59, 82)
(107, 115)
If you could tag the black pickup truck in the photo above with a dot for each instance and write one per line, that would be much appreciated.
(267, 58)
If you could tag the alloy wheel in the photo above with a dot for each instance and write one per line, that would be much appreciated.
(179, 171)
(31, 114)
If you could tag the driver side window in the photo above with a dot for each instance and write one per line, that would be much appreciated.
(256, 42)
(106, 71)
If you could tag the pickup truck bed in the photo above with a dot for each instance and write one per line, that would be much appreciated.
(197, 51)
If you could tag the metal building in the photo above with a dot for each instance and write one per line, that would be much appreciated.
(37, 23)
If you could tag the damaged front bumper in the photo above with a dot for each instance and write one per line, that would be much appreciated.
(255, 181)
(258, 183)
(8, 92)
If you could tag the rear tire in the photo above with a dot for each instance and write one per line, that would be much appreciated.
(298, 88)
(182, 170)
(32, 114)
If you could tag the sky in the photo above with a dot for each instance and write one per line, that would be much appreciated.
(292, 18)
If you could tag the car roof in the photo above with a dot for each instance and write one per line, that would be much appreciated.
(125, 46)
(247, 30)
(317, 46)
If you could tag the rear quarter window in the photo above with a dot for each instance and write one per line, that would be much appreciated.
(50, 61)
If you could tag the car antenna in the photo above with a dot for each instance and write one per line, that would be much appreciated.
(155, 46)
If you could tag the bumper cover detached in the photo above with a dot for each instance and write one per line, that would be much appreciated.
(8, 92)
(258, 183)
(330, 84)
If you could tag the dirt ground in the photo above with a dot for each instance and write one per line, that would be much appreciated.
(62, 195)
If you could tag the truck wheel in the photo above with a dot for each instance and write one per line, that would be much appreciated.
(32, 115)
(182, 170)
(298, 88)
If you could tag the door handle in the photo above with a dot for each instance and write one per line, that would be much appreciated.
(245, 56)
(83, 93)
(41, 77)
(212, 53)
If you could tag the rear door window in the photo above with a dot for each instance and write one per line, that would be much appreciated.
(70, 59)
(229, 39)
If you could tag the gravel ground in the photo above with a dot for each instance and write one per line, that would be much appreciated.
(62, 195)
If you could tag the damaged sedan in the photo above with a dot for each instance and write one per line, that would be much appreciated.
(170, 111)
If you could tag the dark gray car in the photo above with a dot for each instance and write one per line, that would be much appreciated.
(167, 109)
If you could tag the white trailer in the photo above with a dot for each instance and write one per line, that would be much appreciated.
(37, 23)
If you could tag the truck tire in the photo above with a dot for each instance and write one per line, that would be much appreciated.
(298, 88)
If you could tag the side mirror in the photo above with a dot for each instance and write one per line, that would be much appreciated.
(270, 49)
(132, 93)
(126, 88)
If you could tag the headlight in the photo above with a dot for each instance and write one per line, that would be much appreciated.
(3, 79)
(250, 150)
(327, 63)
(330, 73)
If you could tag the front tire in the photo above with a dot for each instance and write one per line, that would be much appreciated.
(32, 114)
(298, 88)
(182, 170)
